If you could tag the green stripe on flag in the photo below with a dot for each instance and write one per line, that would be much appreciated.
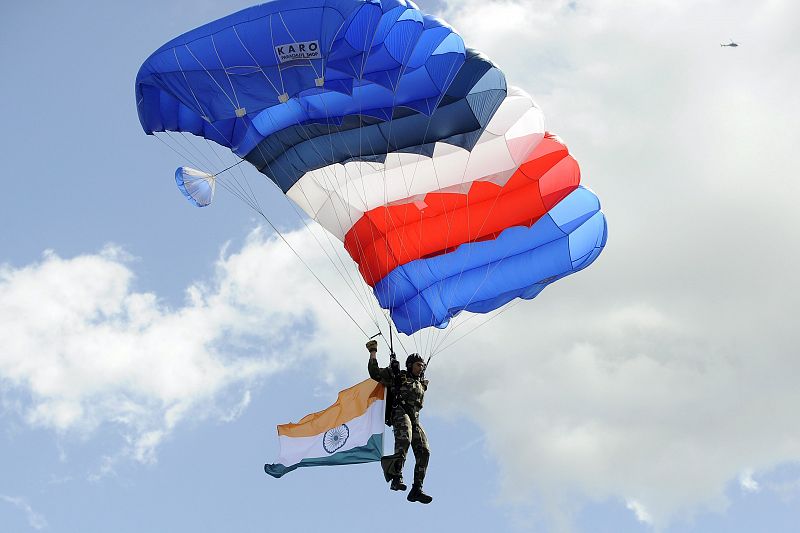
(368, 453)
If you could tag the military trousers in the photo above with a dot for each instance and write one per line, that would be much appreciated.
(409, 432)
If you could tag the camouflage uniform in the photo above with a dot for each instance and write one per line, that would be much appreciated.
(409, 392)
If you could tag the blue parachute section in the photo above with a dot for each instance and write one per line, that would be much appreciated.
(482, 276)
(241, 78)
(464, 111)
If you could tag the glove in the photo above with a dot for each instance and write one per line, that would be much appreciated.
(372, 346)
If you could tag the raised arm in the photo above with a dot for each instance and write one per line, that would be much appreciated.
(381, 375)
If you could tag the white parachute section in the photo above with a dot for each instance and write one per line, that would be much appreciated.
(338, 195)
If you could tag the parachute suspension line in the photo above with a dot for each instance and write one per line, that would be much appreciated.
(211, 76)
(417, 338)
(222, 161)
(352, 285)
(224, 68)
(187, 145)
(234, 102)
(461, 272)
(237, 190)
(189, 85)
(391, 220)
(372, 229)
(450, 220)
(455, 327)
(326, 254)
(178, 152)
(398, 340)
(501, 311)
(355, 285)
(280, 234)
(432, 332)
(325, 174)
(253, 204)
(369, 308)
(365, 302)
(387, 151)
(345, 203)
(486, 276)
(489, 269)
(391, 326)
(255, 61)
(294, 39)
(195, 156)
(246, 194)
(240, 189)
(185, 153)
(280, 72)
(251, 200)
(346, 188)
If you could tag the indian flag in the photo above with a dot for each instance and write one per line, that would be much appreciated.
(348, 432)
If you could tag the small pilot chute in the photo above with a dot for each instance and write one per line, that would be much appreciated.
(197, 186)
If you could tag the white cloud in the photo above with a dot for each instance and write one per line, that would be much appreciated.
(88, 349)
(747, 483)
(35, 520)
(641, 513)
(663, 371)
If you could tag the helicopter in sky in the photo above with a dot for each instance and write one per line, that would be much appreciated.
(731, 44)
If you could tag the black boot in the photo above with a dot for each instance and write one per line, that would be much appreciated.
(397, 484)
(416, 495)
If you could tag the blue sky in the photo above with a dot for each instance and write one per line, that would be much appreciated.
(150, 348)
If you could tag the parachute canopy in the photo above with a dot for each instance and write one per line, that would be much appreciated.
(438, 177)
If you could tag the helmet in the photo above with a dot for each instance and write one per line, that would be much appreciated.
(414, 358)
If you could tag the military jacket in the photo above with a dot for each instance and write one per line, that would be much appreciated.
(409, 391)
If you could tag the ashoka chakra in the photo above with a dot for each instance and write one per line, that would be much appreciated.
(335, 438)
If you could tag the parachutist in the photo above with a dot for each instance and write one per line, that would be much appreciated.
(406, 392)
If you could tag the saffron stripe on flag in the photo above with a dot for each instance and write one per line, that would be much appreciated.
(349, 404)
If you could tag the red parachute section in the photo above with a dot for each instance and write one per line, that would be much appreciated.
(389, 236)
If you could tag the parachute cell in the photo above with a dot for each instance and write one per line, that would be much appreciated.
(482, 276)
(228, 81)
(465, 109)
